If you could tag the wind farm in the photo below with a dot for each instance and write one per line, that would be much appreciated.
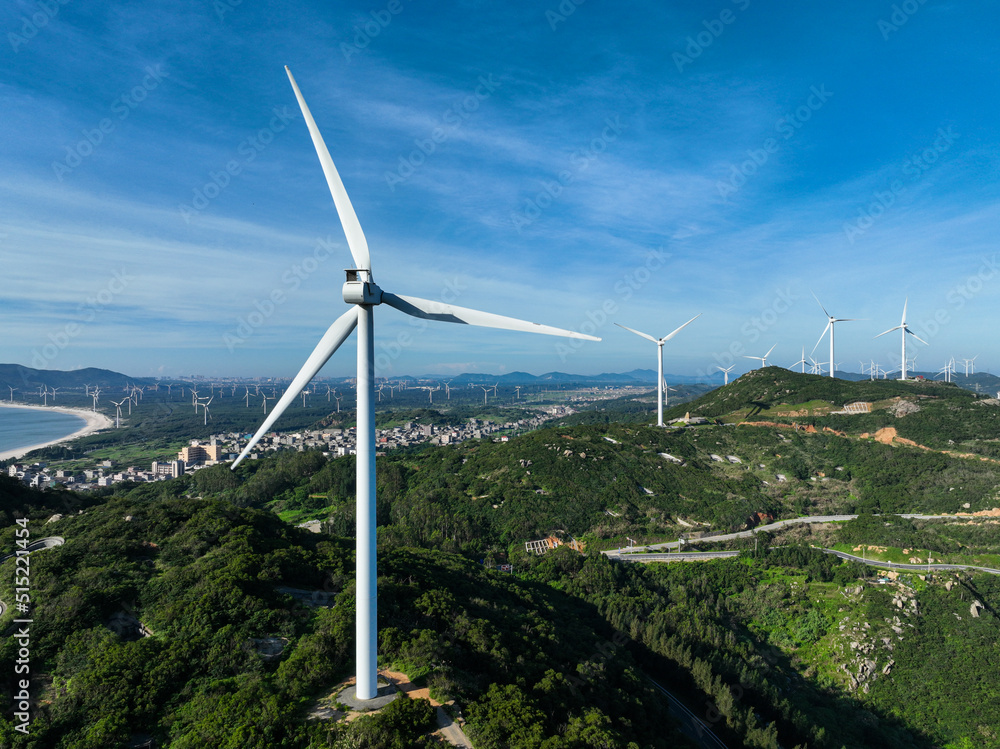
(268, 500)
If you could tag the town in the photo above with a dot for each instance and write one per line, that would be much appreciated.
(225, 447)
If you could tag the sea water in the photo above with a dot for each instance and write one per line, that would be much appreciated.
(24, 427)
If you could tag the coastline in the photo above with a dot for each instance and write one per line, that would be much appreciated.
(94, 422)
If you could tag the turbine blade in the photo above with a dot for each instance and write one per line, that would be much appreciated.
(630, 330)
(888, 331)
(819, 303)
(820, 339)
(916, 336)
(329, 343)
(671, 335)
(441, 312)
(769, 351)
(348, 219)
(905, 302)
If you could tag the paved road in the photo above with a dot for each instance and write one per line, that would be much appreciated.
(689, 556)
(771, 527)
(45, 543)
(901, 566)
(691, 725)
(451, 731)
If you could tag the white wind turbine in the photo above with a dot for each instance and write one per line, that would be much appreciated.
(205, 405)
(12, 389)
(831, 322)
(118, 412)
(666, 394)
(802, 361)
(761, 359)
(361, 292)
(659, 360)
(725, 372)
(905, 331)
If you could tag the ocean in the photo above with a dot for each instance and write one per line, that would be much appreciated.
(23, 427)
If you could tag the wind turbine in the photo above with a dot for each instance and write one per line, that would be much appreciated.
(205, 406)
(659, 360)
(447, 390)
(905, 331)
(666, 394)
(486, 391)
(762, 359)
(802, 361)
(118, 412)
(12, 389)
(831, 321)
(725, 372)
(361, 292)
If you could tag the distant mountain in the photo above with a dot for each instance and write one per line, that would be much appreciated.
(635, 377)
(25, 379)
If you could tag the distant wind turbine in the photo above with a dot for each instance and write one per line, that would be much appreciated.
(905, 331)
(802, 361)
(831, 322)
(761, 359)
(659, 360)
(118, 412)
(725, 372)
(361, 292)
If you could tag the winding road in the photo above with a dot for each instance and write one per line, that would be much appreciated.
(774, 526)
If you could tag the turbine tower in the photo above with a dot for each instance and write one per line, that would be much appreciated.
(659, 361)
(361, 292)
(905, 331)
(831, 321)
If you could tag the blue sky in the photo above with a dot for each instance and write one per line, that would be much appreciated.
(162, 210)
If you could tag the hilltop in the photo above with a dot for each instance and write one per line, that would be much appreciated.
(26, 378)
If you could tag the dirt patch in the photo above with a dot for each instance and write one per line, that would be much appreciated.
(403, 684)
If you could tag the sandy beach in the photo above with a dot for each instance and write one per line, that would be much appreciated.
(95, 422)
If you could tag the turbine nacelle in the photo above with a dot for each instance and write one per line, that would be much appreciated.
(359, 288)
